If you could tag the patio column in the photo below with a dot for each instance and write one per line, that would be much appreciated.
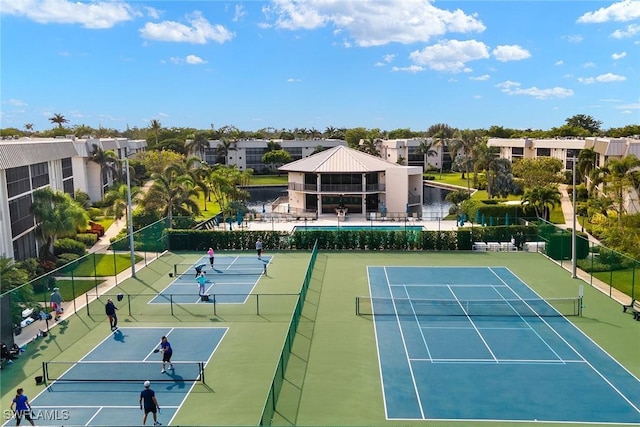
(364, 195)
(319, 195)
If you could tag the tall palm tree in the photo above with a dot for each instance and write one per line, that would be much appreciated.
(426, 149)
(118, 199)
(467, 140)
(542, 200)
(586, 163)
(198, 145)
(12, 278)
(622, 178)
(59, 119)
(172, 192)
(155, 126)
(485, 157)
(28, 127)
(57, 215)
(107, 160)
(225, 146)
(370, 145)
(441, 133)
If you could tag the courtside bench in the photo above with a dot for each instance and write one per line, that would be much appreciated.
(634, 306)
(479, 246)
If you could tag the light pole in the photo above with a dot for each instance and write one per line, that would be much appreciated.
(130, 220)
(574, 258)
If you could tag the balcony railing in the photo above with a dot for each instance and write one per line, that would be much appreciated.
(336, 188)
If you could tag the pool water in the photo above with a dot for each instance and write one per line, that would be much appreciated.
(358, 227)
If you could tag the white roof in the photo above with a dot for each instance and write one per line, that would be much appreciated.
(340, 159)
(28, 152)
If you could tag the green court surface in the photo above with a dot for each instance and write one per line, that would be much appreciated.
(333, 374)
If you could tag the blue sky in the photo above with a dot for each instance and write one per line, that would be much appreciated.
(384, 64)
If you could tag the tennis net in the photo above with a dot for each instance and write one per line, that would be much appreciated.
(551, 307)
(245, 270)
(122, 371)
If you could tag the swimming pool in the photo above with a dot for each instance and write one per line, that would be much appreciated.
(357, 228)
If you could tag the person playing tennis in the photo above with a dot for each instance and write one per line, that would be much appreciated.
(22, 407)
(167, 352)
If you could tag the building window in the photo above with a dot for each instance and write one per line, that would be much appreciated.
(25, 246)
(296, 153)
(18, 181)
(67, 187)
(39, 175)
(517, 153)
(67, 170)
(254, 158)
(20, 215)
(543, 152)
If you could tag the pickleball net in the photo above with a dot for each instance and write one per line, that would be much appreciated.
(122, 371)
(552, 307)
(189, 270)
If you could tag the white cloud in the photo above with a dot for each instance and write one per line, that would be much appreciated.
(603, 78)
(386, 59)
(481, 78)
(514, 52)
(560, 62)
(199, 31)
(576, 38)
(513, 88)
(632, 30)
(292, 80)
(589, 65)
(17, 103)
(409, 69)
(620, 55)
(373, 23)
(635, 106)
(194, 60)
(239, 13)
(450, 55)
(91, 15)
(626, 10)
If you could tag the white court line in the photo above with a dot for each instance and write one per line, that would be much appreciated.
(88, 423)
(601, 375)
(406, 351)
(503, 361)
(424, 339)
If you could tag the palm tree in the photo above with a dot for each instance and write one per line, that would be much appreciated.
(441, 133)
(623, 176)
(225, 146)
(107, 160)
(28, 127)
(542, 200)
(57, 215)
(198, 145)
(155, 126)
(273, 146)
(12, 278)
(426, 149)
(370, 145)
(118, 199)
(586, 163)
(59, 119)
(467, 140)
(172, 192)
(484, 157)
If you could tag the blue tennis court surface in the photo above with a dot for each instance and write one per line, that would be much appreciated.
(231, 280)
(81, 395)
(457, 361)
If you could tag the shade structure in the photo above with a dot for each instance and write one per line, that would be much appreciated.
(506, 218)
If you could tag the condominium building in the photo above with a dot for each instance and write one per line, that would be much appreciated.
(29, 164)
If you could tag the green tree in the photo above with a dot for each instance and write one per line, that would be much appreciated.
(157, 161)
(58, 119)
(118, 199)
(276, 158)
(537, 172)
(13, 279)
(541, 200)
(466, 141)
(57, 215)
(353, 137)
(620, 180)
(370, 145)
(585, 122)
(155, 127)
(586, 163)
(172, 192)
(198, 145)
(107, 160)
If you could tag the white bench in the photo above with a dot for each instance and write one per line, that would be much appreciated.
(479, 246)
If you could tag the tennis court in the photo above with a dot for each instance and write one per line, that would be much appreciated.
(103, 387)
(477, 343)
(231, 280)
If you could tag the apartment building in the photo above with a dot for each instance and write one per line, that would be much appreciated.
(29, 164)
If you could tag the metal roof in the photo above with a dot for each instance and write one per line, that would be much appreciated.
(339, 159)
(22, 152)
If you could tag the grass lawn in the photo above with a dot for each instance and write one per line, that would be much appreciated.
(105, 221)
(71, 289)
(213, 208)
(104, 265)
(268, 180)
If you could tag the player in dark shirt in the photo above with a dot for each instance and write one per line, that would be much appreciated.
(167, 352)
(149, 403)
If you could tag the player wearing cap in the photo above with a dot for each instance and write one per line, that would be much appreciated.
(56, 303)
(149, 403)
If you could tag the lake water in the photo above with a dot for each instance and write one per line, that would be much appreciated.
(434, 205)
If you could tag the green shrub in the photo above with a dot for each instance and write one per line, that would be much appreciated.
(88, 239)
(94, 213)
(66, 258)
(66, 245)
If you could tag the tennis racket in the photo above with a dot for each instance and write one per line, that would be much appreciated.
(157, 350)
